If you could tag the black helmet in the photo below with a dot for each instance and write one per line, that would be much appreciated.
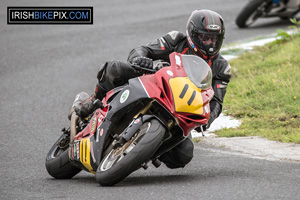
(205, 33)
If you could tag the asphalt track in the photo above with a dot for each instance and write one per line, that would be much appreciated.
(43, 67)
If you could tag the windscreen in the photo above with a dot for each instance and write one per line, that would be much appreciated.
(197, 70)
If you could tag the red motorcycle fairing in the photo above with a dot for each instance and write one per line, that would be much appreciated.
(88, 143)
(132, 97)
(157, 86)
(110, 95)
(123, 103)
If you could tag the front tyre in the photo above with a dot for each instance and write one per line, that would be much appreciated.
(57, 163)
(122, 161)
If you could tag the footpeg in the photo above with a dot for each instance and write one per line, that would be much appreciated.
(156, 163)
(145, 166)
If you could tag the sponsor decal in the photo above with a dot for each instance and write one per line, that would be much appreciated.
(74, 151)
(191, 42)
(213, 27)
(100, 119)
(178, 61)
(124, 96)
(77, 147)
(49, 15)
(206, 109)
(170, 73)
(136, 121)
(93, 125)
(101, 132)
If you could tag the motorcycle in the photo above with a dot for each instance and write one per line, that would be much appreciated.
(136, 123)
(255, 9)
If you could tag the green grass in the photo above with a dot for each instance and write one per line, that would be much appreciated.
(264, 92)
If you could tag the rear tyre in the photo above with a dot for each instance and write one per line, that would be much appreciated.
(57, 163)
(253, 10)
(122, 161)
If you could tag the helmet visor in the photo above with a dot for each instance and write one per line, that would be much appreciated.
(208, 39)
(208, 43)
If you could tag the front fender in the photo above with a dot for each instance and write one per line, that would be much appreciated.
(136, 124)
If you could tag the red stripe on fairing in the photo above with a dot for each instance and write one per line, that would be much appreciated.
(110, 93)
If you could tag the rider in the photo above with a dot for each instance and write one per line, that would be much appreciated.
(204, 37)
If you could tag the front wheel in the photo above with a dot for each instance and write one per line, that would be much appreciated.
(253, 10)
(58, 163)
(122, 161)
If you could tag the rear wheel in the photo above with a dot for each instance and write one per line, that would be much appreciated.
(122, 161)
(253, 10)
(57, 163)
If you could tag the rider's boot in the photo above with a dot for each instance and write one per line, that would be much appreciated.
(82, 107)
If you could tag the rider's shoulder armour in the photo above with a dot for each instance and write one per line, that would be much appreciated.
(174, 37)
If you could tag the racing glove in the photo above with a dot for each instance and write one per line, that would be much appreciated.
(143, 62)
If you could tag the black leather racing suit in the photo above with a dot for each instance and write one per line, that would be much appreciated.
(177, 42)
(116, 73)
